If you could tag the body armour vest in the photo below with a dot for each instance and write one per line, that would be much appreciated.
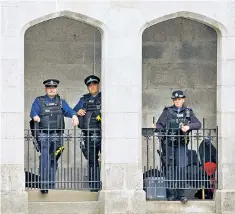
(92, 118)
(51, 116)
(174, 121)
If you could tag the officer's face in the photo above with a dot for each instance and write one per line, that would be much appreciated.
(93, 88)
(51, 91)
(178, 102)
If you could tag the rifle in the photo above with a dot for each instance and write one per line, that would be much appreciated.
(34, 127)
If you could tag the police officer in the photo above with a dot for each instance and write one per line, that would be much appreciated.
(88, 110)
(178, 121)
(48, 112)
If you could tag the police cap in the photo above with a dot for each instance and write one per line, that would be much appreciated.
(178, 94)
(91, 78)
(51, 82)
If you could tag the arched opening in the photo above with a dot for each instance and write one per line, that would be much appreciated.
(68, 50)
(178, 54)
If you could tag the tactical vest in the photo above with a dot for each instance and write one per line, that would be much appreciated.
(174, 121)
(51, 116)
(92, 118)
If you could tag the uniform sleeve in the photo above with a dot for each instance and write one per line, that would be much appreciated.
(79, 105)
(161, 123)
(195, 124)
(68, 112)
(35, 109)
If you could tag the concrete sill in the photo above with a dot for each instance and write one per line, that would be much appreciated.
(62, 196)
(192, 207)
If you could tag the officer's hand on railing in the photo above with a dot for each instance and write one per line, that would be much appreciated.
(184, 128)
(81, 112)
(75, 121)
(153, 125)
(36, 119)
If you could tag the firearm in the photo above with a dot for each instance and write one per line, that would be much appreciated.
(84, 149)
(99, 158)
(185, 136)
(37, 145)
(34, 127)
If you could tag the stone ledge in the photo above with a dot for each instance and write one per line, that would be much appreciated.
(62, 196)
(90, 207)
(205, 207)
(176, 213)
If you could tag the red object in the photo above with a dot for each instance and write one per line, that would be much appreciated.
(210, 168)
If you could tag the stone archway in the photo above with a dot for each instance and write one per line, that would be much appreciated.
(68, 50)
(156, 57)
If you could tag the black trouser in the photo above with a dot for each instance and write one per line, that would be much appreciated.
(176, 165)
(49, 143)
(92, 141)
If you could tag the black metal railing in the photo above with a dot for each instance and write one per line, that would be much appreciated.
(63, 159)
(176, 161)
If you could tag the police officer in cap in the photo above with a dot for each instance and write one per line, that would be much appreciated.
(88, 110)
(48, 114)
(178, 121)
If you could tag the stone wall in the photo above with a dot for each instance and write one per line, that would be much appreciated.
(180, 54)
(122, 24)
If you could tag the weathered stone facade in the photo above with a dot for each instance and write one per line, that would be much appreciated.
(122, 25)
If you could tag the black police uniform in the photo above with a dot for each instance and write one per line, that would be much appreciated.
(48, 134)
(175, 147)
(90, 124)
